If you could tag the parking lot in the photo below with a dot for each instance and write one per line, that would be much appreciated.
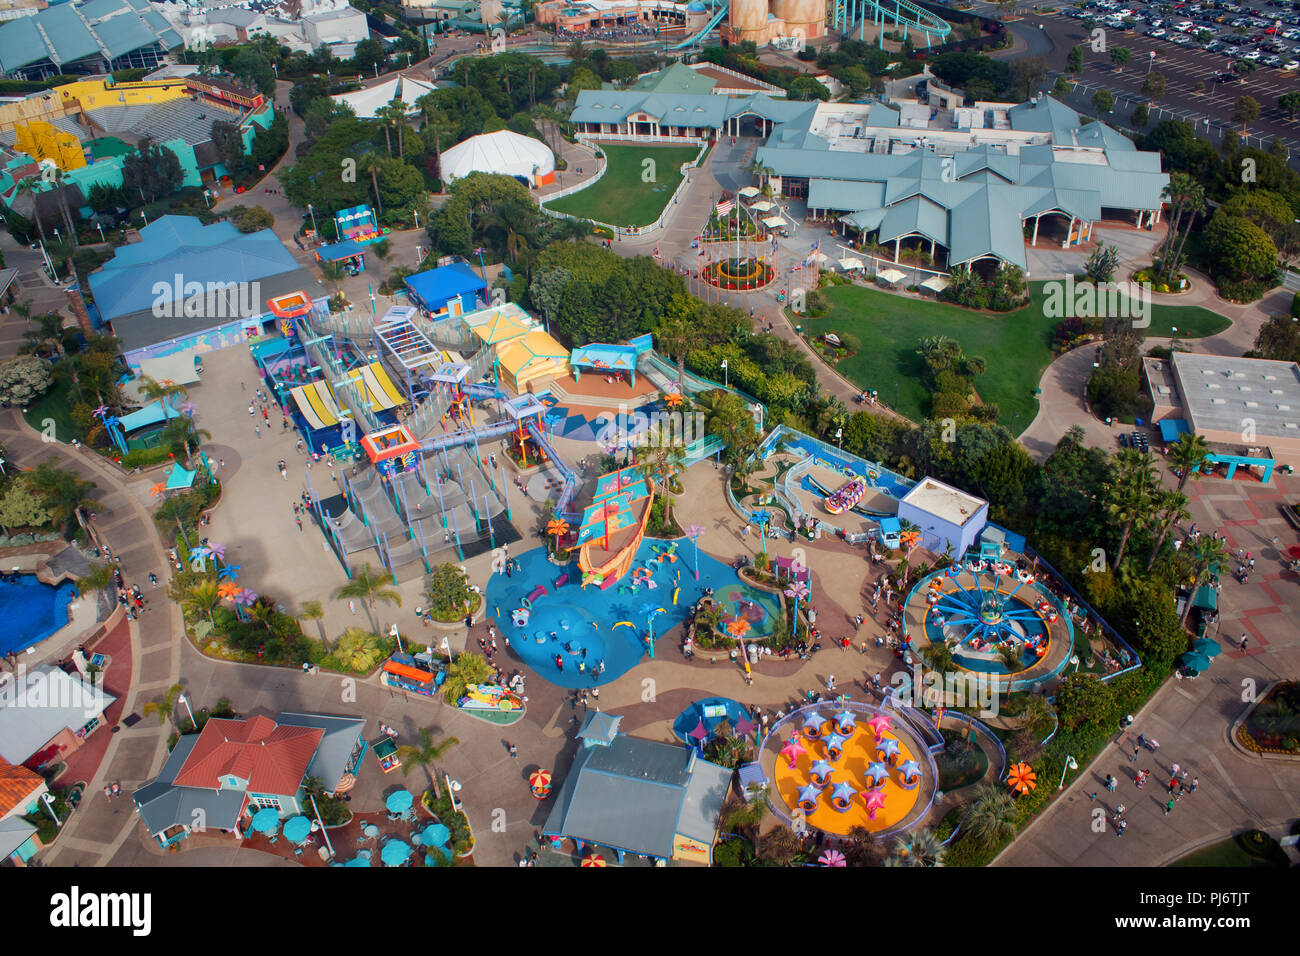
(1199, 53)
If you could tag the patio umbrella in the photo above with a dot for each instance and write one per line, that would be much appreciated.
(297, 829)
(1195, 661)
(1207, 647)
(395, 852)
(266, 821)
(435, 834)
(832, 858)
(399, 801)
(594, 860)
(358, 861)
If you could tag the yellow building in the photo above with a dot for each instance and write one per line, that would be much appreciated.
(41, 140)
(529, 358)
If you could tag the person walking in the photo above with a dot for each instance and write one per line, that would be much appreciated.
(1132, 758)
(1120, 827)
(1169, 807)
(1196, 782)
(1174, 769)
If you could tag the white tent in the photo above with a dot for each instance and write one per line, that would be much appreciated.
(891, 276)
(749, 192)
(848, 262)
(763, 206)
(504, 152)
(774, 222)
(366, 102)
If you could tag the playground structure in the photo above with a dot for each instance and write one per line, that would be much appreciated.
(613, 525)
(984, 604)
(839, 765)
(358, 224)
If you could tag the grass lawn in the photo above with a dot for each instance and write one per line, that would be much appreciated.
(52, 405)
(1015, 345)
(1230, 852)
(620, 197)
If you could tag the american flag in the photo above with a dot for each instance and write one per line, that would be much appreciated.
(724, 208)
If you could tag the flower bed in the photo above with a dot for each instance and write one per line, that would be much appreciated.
(1147, 277)
(745, 273)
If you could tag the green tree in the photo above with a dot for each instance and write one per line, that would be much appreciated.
(918, 848)
(1170, 507)
(315, 611)
(991, 820)
(1154, 85)
(1200, 559)
(426, 755)
(1120, 55)
(1074, 59)
(1189, 455)
(1131, 494)
(1239, 249)
(23, 379)
(165, 709)
(728, 417)
(1289, 103)
(1083, 700)
(370, 587)
(22, 507)
(1102, 263)
(466, 669)
(1141, 115)
(63, 492)
(98, 579)
(230, 145)
(248, 219)
(200, 598)
(1245, 110)
(447, 589)
(1103, 101)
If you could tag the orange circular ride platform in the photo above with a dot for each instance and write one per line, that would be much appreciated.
(859, 756)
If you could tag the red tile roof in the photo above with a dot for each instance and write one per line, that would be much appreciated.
(273, 759)
(17, 784)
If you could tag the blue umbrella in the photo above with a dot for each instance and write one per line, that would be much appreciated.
(1195, 661)
(1207, 647)
(435, 834)
(266, 820)
(297, 829)
(399, 801)
(357, 861)
(395, 852)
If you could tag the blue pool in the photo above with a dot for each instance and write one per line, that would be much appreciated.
(582, 625)
(31, 611)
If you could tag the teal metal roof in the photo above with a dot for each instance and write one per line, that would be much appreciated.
(844, 195)
(916, 216)
(989, 223)
(69, 32)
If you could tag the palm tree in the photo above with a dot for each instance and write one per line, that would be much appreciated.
(1170, 507)
(28, 187)
(779, 845)
(1202, 558)
(1131, 491)
(919, 848)
(201, 597)
(64, 207)
(991, 819)
(372, 167)
(675, 336)
(97, 579)
(153, 390)
(1009, 657)
(48, 334)
(426, 755)
(314, 611)
(1195, 206)
(938, 658)
(369, 586)
(165, 709)
(393, 115)
(659, 460)
(939, 352)
(63, 492)
(1189, 455)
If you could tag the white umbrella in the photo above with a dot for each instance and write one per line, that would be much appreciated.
(749, 192)
(763, 206)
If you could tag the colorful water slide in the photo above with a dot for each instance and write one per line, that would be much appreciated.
(467, 436)
(707, 29)
(904, 15)
(570, 479)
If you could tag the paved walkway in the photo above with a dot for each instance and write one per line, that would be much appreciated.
(1191, 718)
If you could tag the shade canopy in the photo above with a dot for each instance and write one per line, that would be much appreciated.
(435, 834)
(399, 801)
(395, 852)
(297, 829)
(1207, 647)
(266, 821)
(748, 192)
(763, 206)
(1195, 661)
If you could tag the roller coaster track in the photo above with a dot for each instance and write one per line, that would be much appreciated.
(905, 16)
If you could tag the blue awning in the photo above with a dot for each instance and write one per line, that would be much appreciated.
(151, 414)
(338, 251)
(1171, 428)
(436, 287)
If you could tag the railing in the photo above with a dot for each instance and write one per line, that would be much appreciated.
(638, 231)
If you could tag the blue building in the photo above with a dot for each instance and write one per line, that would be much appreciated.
(448, 291)
(946, 516)
(190, 287)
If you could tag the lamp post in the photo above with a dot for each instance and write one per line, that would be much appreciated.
(1151, 61)
(312, 212)
(726, 383)
(101, 232)
(47, 799)
(839, 438)
(1070, 764)
(186, 701)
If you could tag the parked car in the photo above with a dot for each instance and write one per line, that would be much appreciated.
(1290, 65)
